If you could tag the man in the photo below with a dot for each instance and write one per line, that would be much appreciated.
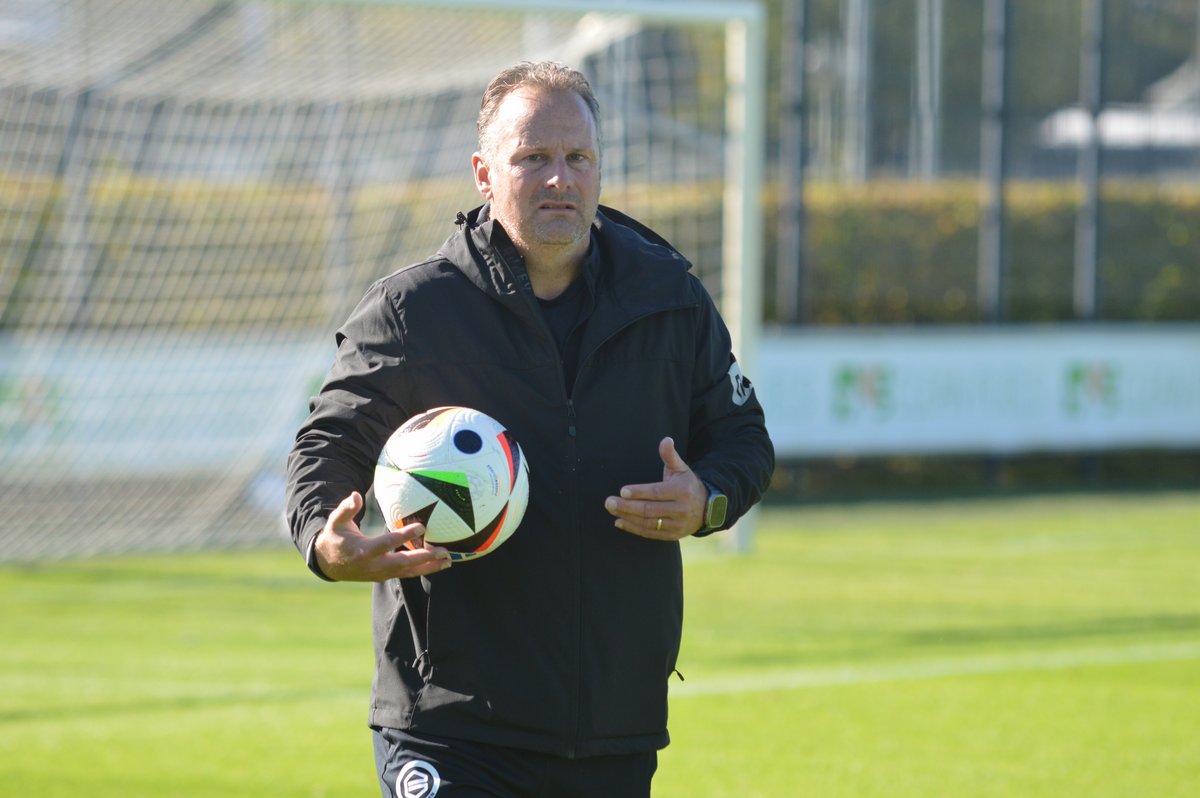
(542, 669)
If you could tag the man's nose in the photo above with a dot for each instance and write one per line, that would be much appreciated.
(559, 174)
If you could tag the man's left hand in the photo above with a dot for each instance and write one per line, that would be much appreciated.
(667, 510)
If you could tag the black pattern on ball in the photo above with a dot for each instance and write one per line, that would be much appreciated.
(467, 441)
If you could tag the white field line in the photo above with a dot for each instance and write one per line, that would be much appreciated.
(939, 668)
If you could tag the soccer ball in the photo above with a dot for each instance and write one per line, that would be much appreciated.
(460, 473)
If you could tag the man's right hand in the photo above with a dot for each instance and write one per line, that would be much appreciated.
(345, 554)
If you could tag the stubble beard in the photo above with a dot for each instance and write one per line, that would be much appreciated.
(556, 235)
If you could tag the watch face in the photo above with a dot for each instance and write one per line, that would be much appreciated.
(718, 504)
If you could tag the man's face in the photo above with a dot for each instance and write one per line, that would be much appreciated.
(541, 172)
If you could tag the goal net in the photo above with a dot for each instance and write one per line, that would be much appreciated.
(194, 194)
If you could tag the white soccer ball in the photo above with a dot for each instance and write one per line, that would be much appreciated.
(460, 473)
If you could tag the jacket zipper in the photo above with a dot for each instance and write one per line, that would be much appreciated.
(577, 704)
(572, 431)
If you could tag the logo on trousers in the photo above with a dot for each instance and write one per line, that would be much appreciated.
(418, 780)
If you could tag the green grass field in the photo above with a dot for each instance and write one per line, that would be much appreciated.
(1044, 646)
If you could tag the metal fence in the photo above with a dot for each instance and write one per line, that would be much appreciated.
(1066, 134)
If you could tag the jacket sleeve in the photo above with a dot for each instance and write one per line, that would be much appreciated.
(729, 446)
(350, 419)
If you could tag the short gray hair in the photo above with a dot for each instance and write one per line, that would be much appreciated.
(543, 75)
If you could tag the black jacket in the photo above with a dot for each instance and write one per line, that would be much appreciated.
(563, 639)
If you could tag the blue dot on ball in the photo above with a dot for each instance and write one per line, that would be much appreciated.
(467, 441)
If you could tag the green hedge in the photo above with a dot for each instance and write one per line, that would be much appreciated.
(906, 252)
(203, 255)
(197, 255)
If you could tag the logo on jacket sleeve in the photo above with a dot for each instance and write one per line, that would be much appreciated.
(741, 386)
(418, 779)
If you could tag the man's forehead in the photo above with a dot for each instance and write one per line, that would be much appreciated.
(531, 112)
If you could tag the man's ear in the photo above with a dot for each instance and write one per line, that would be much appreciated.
(483, 178)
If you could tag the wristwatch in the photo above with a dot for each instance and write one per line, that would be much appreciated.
(714, 510)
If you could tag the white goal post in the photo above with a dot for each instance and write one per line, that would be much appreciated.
(194, 194)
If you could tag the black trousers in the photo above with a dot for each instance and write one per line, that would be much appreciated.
(412, 766)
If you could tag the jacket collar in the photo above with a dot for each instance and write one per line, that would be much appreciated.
(630, 259)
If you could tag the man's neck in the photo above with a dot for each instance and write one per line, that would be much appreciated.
(552, 269)
(550, 280)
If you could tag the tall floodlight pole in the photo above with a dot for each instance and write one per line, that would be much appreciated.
(857, 131)
(992, 159)
(928, 110)
(1087, 220)
(790, 266)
